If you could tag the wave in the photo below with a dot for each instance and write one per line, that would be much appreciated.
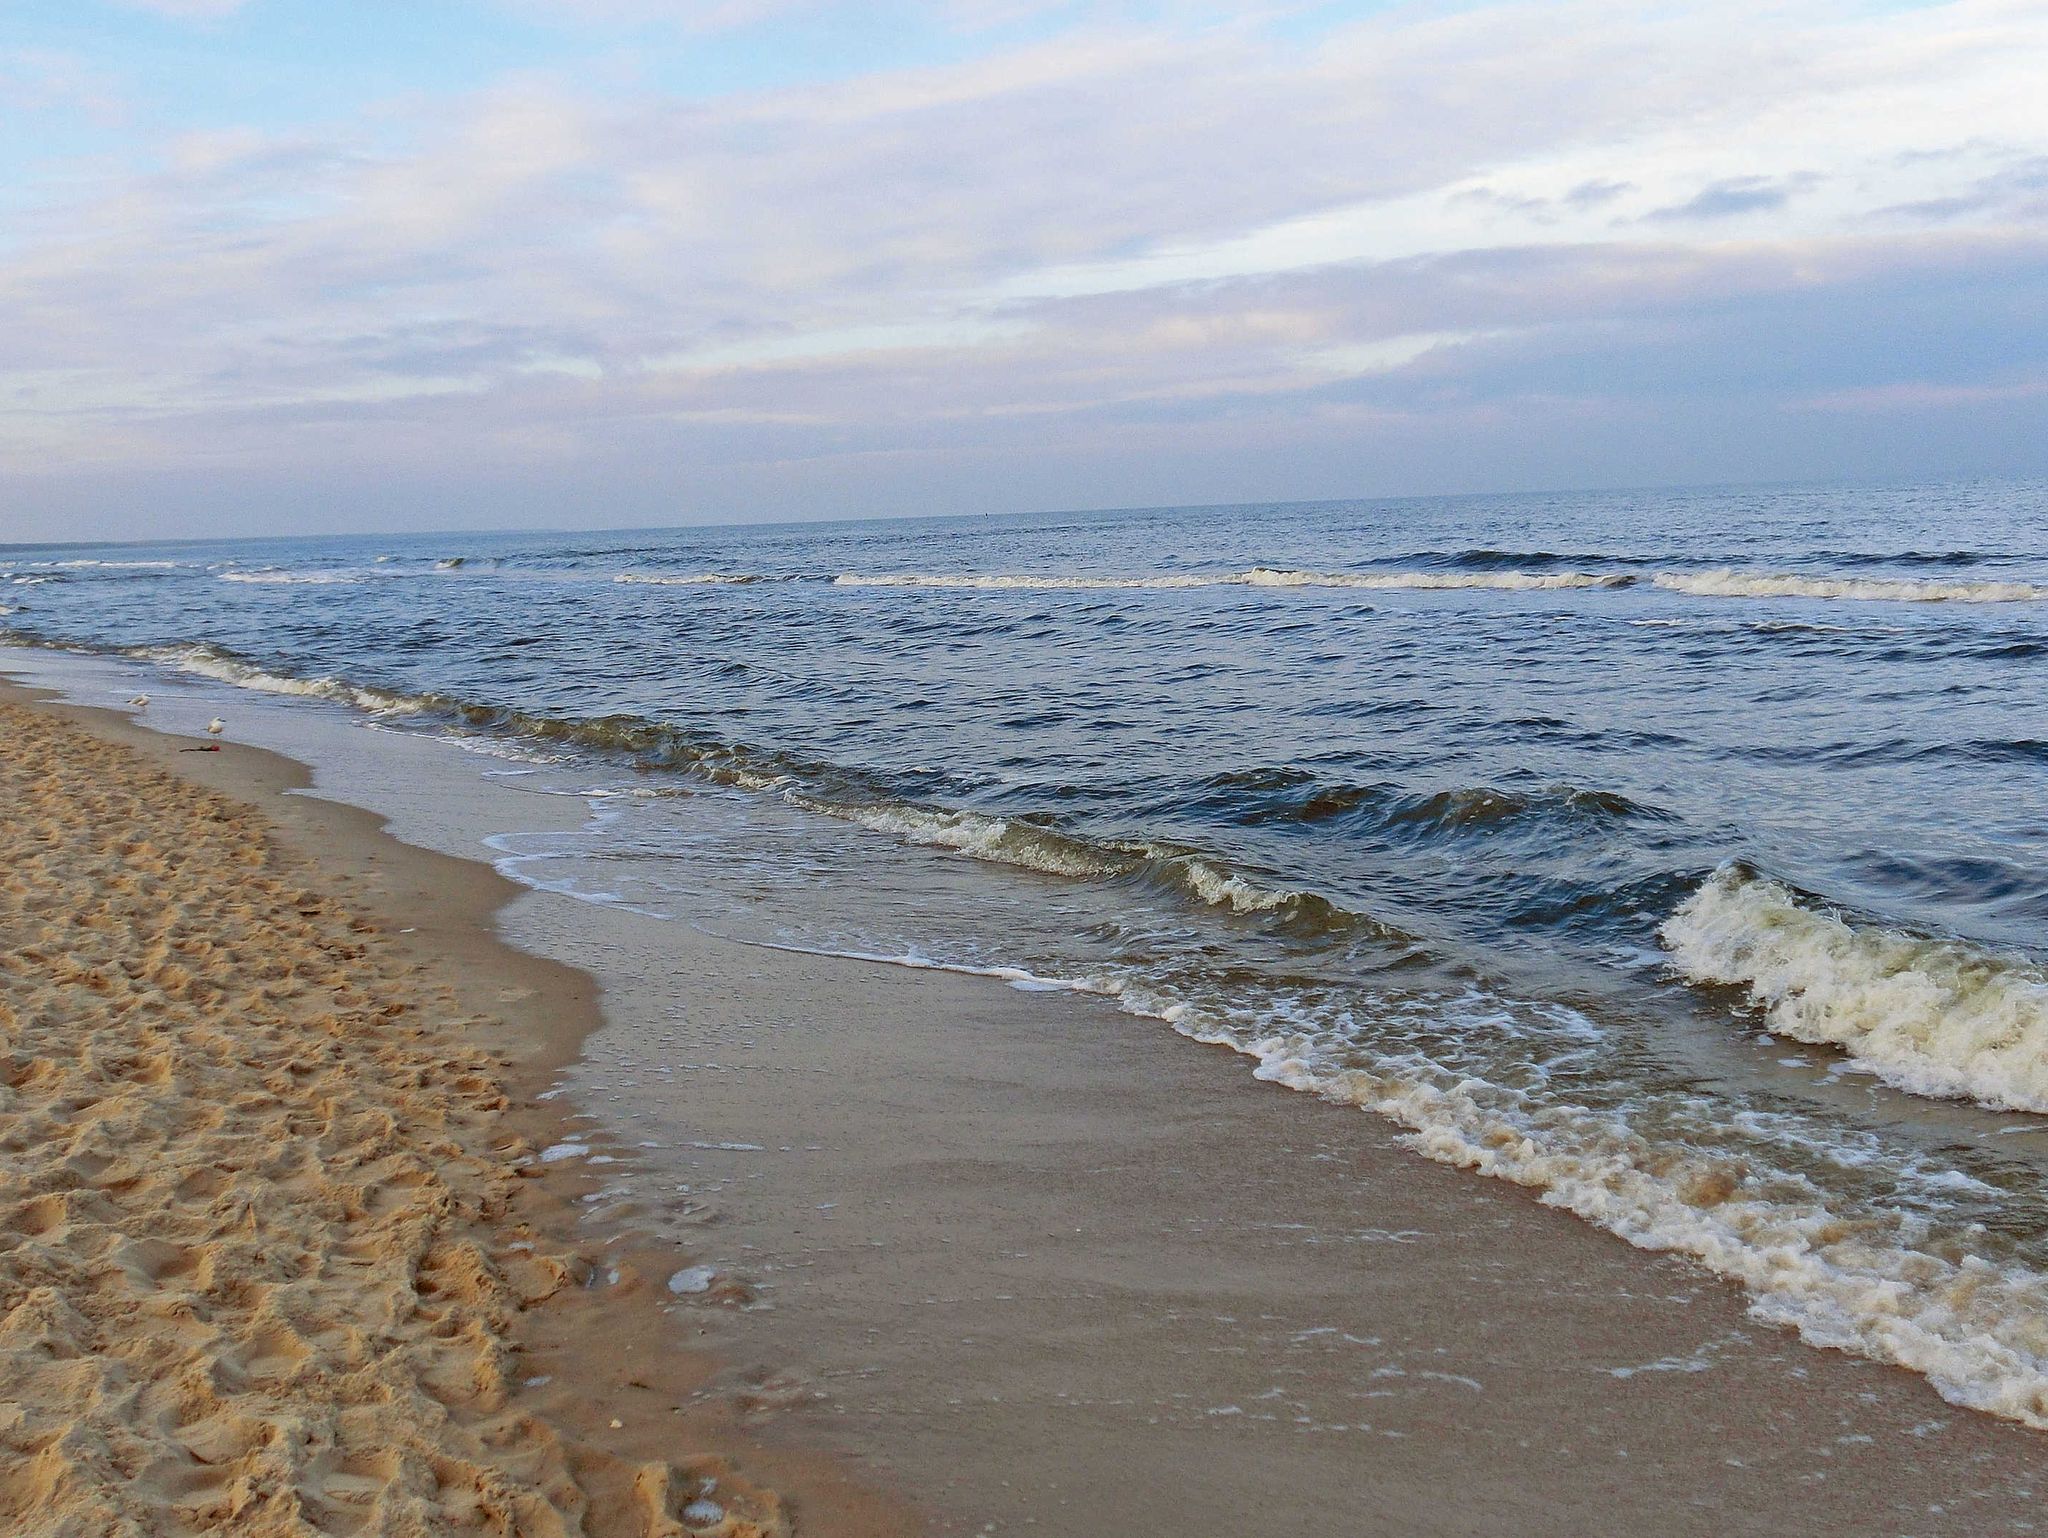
(1475, 571)
(344, 576)
(1510, 581)
(82, 564)
(1907, 557)
(1281, 796)
(1028, 584)
(282, 577)
(1488, 558)
(1728, 583)
(1937, 1017)
(1481, 808)
(832, 790)
(1257, 576)
(1001, 840)
(210, 662)
(1033, 846)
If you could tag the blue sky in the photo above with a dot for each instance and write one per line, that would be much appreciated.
(277, 266)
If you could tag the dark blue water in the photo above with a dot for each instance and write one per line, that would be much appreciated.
(1681, 855)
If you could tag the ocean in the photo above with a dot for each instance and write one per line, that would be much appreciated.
(1681, 856)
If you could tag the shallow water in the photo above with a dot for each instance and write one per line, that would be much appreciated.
(1678, 855)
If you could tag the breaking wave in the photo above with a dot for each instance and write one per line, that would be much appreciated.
(1033, 846)
(211, 662)
(295, 578)
(1728, 583)
(1934, 1017)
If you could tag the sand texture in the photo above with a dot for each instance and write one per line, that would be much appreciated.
(258, 1269)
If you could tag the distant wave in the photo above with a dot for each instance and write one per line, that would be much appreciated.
(1031, 584)
(1512, 581)
(1906, 557)
(1935, 1017)
(344, 576)
(1488, 558)
(1257, 576)
(292, 578)
(83, 564)
(1478, 570)
(1728, 583)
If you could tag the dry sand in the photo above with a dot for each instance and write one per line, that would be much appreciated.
(268, 1264)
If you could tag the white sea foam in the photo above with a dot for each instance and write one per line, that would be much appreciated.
(1727, 583)
(684, 579)
(1227, 889)
(1930, 1016)
(295, 578)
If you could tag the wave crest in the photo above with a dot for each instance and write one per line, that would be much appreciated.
(1729, 583)
(280, 577)
(1934, 1017)
(209, 662)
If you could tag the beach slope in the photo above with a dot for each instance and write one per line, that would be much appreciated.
(261, 1267)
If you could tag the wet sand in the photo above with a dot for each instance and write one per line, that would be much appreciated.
(1039, 1266)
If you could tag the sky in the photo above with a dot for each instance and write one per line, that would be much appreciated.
(288, 266)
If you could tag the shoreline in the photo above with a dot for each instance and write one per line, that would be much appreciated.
(1065, 1228)
(599, 1362)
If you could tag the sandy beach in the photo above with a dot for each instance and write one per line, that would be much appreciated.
(275, 1259)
